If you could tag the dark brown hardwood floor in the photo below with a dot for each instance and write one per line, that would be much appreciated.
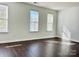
(53, 47)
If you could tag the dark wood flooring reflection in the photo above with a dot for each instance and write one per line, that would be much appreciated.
(40, 48)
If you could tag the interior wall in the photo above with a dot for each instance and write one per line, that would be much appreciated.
(70, 19)
(19, 23)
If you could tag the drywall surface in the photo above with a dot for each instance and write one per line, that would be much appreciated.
(69, 18)
(19, 23)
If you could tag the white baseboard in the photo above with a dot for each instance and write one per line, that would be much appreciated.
(75, 40)
(71, 39)
(27, 39)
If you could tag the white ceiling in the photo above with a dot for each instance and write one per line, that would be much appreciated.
(56, 5)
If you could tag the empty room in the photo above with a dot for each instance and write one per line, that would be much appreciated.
(39, 29)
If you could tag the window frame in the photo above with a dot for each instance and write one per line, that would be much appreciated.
(30, 20)
(5, 18)
(50, 23)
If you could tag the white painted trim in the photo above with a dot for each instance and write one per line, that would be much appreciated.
(28, 39)
(75, 40)
(71, 40)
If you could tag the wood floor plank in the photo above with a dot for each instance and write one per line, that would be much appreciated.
(40, 48)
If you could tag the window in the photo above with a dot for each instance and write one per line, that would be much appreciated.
(34, 18)
(3, 18)
(49, 22)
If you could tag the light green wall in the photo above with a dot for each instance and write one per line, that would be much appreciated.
(69, 18)
(19, 23)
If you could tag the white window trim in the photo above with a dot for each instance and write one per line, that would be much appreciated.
(6, 18)
(34, 31)
(50, 22)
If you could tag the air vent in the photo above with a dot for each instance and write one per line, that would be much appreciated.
(35, 2)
